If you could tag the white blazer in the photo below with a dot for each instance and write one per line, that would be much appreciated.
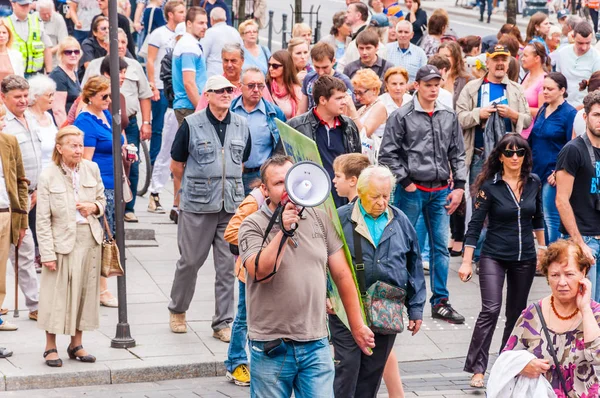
(16, 61)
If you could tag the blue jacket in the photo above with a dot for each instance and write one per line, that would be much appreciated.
(397, 258)
(273, 112)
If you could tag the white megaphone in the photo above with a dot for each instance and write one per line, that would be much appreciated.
(307, 184)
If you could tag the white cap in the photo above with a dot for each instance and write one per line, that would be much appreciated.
(217, 82)
(180, 29)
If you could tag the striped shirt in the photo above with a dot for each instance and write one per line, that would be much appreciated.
(30, 144)
(411, 60)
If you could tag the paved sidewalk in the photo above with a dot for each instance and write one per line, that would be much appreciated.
(160, 354)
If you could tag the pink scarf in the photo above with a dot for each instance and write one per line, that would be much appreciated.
(282, 92)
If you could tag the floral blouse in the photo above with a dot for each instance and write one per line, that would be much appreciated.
(577, 358)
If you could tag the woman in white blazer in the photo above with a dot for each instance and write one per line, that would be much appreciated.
(70, 201)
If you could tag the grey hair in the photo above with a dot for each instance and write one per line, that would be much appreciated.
(405, 22)
(253, 69)
(232, 48)
(13, 82)
(372, 172)
(120, 31)
(45, 4)
(218, 14)
(40, 85)
(573, 20)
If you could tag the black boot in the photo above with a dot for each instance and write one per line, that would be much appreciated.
(489, 18)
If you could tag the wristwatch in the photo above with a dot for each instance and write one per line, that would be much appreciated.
(146, 122)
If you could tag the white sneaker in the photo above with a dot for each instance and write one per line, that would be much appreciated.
(8, 327)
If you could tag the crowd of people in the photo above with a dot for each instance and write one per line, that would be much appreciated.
(437, 146)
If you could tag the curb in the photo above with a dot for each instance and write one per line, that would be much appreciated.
(113, 373)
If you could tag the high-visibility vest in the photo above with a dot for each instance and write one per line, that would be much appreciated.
(593, 4)
(32, 50)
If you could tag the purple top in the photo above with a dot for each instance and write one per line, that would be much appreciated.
(577, 358)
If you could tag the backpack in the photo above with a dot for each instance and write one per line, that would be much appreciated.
(166, 75)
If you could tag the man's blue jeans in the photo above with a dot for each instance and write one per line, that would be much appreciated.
(423, 237)
(551, 216)
(305, 368)
(236, 354)
(593, 275)
(132, 132)
(430, 205)
(159, 108)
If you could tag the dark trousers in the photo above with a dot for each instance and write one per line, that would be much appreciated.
(492, 272)
(594, 16)
(132, 132)
(356, 374)
(32, 220)
(490, 6)
(159, 108)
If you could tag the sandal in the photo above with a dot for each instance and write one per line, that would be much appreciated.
(476, 383)
(53, 363)
(83, 358)
(111, 303)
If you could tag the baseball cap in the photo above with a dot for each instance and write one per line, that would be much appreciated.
(498, 49)
(379, 20)
(428, 72)
(22, 2)
(217, 82)
(562, 13)
(180, 29)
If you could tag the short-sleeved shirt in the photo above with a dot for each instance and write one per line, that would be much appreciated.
(158, 19)
(98, 135)
(574, 158)
(311, 78)
(30, 143)
(65, 84)
(56, 29)
(291, 305)
(411, 59)
(86, 10)
(187, 57)
(576, 69)
(162, 39)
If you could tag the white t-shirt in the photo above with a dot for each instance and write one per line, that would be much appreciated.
(161, 38)
(576, 69)
(4, 200)
(446, 98)
(47, 135)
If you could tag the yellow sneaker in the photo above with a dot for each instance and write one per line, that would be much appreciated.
(240, 376)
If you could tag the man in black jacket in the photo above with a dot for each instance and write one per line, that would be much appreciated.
(334, 133)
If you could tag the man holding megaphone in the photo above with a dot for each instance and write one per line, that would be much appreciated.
(285, 250)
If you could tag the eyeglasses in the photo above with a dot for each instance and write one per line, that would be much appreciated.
(275, 66)
(103, 28)
(254, 86)
(105, 97)
(361, 93)
(250, 31)
(72, 52)
(509, 153)
(228, 90)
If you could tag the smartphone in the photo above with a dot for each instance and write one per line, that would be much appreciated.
(275, 348)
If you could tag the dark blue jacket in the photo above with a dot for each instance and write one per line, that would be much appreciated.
(396, 260)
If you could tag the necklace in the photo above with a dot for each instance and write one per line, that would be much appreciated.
(563, 318)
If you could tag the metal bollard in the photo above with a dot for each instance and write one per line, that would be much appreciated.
(283, 31)
(318, 32)
(270, 34)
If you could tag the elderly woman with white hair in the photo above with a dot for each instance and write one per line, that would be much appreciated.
(382, 239)
(41, 96)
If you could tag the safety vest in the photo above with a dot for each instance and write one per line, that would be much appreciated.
(593, 4)
(32, 50)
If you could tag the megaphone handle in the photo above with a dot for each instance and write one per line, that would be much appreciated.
(294, 226)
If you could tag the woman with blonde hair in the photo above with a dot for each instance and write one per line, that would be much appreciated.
(300, 52)
(303, 31)
(254, 54)
(70, 201)
(372, 115)
(68, 87)
(11, 60)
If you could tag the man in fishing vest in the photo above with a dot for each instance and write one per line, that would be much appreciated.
(29, 38)
(208, 154)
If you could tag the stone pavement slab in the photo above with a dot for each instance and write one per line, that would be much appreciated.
(160, 354)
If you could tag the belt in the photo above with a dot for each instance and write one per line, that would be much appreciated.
(431, 184)
(5, 210)
(251, 169)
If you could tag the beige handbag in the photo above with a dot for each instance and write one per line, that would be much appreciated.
(111, 260)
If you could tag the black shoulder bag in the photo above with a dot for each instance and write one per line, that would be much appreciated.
(590, 149)
(561, 377)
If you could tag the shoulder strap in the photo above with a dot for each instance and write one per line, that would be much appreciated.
(151, 21)
(359, 265)
(272, 221)
(561, 377)
(107, 229)
(382, 69)
(590, 149)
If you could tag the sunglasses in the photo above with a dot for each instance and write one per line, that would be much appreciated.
(509, 153)
(275, 66)
(228, 90)
(103, 28)
(72, 52)
(254, 86)
(105, 97)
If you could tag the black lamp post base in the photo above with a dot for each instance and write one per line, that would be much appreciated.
(123, 337)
